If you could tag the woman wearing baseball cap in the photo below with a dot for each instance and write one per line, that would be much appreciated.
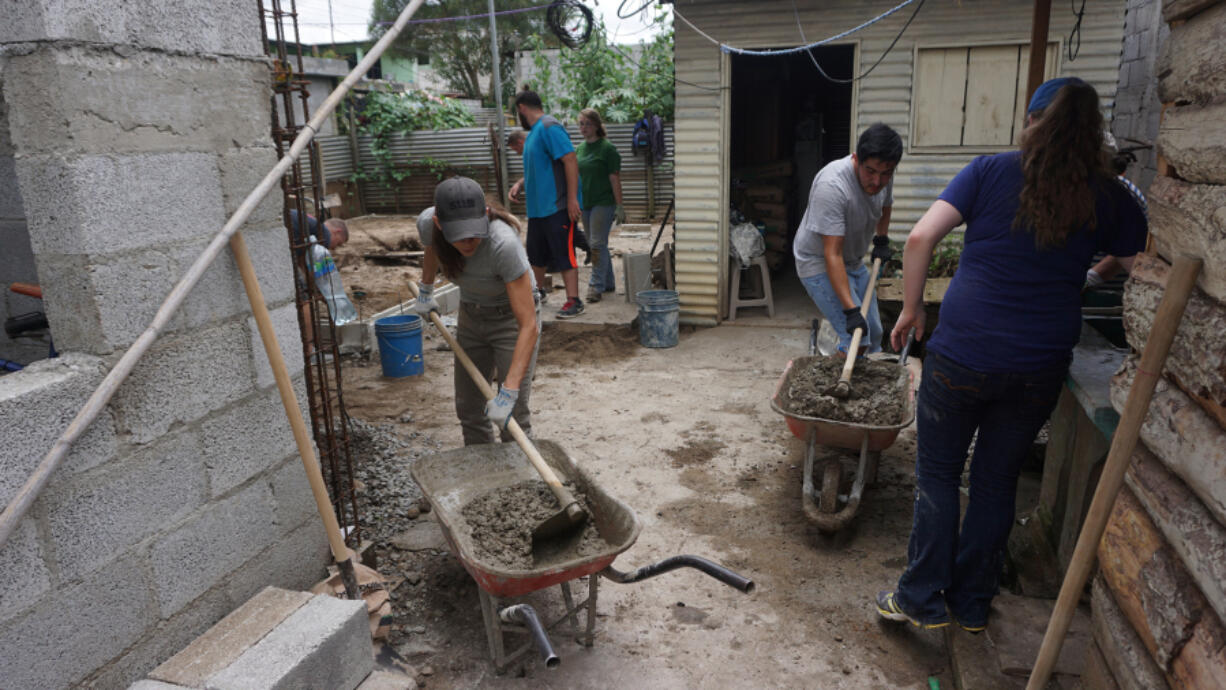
(477, 247)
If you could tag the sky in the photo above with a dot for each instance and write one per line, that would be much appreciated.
(349, 18)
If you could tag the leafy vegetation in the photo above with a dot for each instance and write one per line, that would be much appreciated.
(383, 115)
(944, 259)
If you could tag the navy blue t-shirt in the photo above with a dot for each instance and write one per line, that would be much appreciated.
(1012, 307)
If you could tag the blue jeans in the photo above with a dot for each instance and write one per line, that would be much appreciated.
(598, 221)
(952, 570)
(822, 293)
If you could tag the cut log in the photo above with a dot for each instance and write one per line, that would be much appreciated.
(1129, 660)
(1192, 66)
(1191, 219)
(1202, 662)
(1193, 139)
(1148, 582)
(1187, 440)
(1197, 362)
(1175, 10)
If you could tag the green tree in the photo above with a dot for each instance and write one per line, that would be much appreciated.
(460, 50)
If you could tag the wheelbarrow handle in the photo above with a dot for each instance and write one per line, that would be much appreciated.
(715, 570)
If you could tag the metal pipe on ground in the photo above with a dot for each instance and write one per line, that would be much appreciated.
(526, 616)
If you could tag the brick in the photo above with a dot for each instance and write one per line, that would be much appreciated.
(292, 492)
(46, 396)
(183, 378)
(245, 440)
(289, 338)
(77, 629)
(105, 512)
(1193, 139)
(93, 100)
(325, 644)
(26, 577)
(1191, 64)
(1191, 219)
(223, 536)
(296, 560)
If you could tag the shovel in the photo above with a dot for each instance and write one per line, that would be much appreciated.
(566, 522)
(842, 389)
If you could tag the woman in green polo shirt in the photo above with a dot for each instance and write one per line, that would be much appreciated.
(600, 180)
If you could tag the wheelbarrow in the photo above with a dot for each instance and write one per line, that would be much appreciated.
(824, 505)
(451, 479)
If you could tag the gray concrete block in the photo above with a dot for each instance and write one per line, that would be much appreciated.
(91, 100)
(26, 576)
(325, 644)
(153, 685)
(108, 204)
(289, 338)
(72, 308)
(296, 560)
(183, 378)
(11, 207)
(46, 396)
(245, 440)
(221, 293)
(96, 516)
(292, 492)
(223, 536)
(77, 629)
(243, 169)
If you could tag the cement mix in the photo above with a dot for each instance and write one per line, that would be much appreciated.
(878, 392)
(502, 521)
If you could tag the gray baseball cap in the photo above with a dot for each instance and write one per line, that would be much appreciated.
(459, 205)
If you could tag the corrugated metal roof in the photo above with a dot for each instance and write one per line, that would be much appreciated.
(467, 152)
(883, 96)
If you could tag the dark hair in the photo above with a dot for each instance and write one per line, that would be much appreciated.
(880, 142)
(1062, 163)
(450, 260)
(528, 98)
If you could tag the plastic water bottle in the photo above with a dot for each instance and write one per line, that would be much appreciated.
(328, 280)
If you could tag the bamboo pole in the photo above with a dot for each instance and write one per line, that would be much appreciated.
(98, 400)
(1166, 321)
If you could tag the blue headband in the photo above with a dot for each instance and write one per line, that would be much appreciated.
(1046, 93)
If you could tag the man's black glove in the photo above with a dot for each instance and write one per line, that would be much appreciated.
(881, 248)
(854, 320)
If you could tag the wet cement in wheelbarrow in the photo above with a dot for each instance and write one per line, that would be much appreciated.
(878, 392)
(502, 520)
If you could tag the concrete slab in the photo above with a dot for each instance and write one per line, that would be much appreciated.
(971, 657)
(386, 680)
(233, 635)
(1016, 627)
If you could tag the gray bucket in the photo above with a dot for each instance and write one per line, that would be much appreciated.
(659, 312)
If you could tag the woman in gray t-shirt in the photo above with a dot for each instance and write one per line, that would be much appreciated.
(476, 245)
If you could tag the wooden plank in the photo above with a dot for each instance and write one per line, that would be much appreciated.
(1085, 466)
(1184, 219)
(1057, 459)
(1192, 67)
(1193, 139)
(940, 78)
(1156, 594)
(1131, 665)
(991, 89)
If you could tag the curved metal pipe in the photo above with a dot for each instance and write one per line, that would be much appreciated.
(715, 570)
(526, 616)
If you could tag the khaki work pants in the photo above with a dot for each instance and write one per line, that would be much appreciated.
(488, 336)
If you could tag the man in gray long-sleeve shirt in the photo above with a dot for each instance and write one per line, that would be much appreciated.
(849, 207)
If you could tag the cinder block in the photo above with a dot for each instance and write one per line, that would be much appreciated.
(324, 644)
(289, 338)
(26, 577)
(109, 204)
(11, 207)
(223, 536)
(45, 397)
(183, 378)
(268, 246)
(245, 440)
(77, 629)
(101, 514)
(292, 492)
(243, 169)
(93, 100)
(296, 560)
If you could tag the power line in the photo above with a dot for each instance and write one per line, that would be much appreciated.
(801, 29)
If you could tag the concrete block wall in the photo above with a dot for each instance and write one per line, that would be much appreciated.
(129, 131)
(1137, 108)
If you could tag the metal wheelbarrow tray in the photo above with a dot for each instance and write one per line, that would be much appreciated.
(869, 439)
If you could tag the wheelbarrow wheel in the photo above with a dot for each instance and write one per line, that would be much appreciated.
(832, 477)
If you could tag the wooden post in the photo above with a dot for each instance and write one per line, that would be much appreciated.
(1038, 46)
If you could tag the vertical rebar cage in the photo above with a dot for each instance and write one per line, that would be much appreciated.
(302, 189)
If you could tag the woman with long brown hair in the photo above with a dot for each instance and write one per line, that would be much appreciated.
(476, 244)
(1000, 354)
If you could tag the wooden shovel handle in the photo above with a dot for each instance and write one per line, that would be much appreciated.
(563, 495)
(859, 332)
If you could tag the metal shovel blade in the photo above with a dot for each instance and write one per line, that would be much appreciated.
(559, 532)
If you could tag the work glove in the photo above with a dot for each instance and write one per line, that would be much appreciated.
(881, 248)
(1093, 280)
(498, 410)
(854, 320)
(619, 214)
(425, 301)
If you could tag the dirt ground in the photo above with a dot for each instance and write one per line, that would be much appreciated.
(687, 438)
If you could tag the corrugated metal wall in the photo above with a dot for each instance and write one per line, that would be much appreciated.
(883, 96)
(467, 152)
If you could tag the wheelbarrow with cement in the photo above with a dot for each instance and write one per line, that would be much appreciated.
(452, 479)
(824, 505)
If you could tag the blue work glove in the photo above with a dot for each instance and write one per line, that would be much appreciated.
(499, 409)
(881, 248)
(425, 300)
(854, 320)
(619, 214)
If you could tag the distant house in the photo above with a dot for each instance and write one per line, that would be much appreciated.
(953, 86)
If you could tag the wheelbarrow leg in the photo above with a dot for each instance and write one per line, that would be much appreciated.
(589, 637)
(493, 629)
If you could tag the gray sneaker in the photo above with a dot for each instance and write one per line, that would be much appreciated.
(593, 295)
(572, 308)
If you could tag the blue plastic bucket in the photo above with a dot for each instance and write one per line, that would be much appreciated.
(399, 339)
(658, 317)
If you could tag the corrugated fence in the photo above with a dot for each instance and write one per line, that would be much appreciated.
(428, 155)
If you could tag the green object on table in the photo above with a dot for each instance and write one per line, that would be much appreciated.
(933, 683)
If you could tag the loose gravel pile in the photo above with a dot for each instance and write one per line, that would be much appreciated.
(388, 498)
